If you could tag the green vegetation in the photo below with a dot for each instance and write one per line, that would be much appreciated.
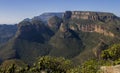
(93, 65)
(49, 64)
(35, 38)
(52, 65)
(61, 42)
(112, 53)
(13, 66)
(46, 64)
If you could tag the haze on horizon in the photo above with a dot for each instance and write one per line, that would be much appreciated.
(14, 11)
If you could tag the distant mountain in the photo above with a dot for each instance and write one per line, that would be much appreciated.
(77, 35)
(7, 32)
(45, 17)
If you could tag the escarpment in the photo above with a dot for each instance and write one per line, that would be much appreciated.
(73, 35)
(87, 21)
(88, 15)
(93, 28)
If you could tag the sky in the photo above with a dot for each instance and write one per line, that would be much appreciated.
(14, 11)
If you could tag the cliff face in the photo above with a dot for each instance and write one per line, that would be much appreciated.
(89, 15)
(84, 26)
(63, 28)
(54, 22)
(92, 28)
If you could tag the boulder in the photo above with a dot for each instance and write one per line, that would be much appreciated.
(110, 69)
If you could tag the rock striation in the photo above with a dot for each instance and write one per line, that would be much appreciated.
(92, 28)
(89, 15)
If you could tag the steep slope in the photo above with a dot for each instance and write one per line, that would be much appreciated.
(76, 35)
(7, 32)
(94, 30)
(29, 42)
(54, 23)
(66, 43)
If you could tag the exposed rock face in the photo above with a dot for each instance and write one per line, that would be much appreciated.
(63, 27)
(54, 22)
(99, 48)
(89, 15)
(67, 14)
(110, 69)
(93, 28)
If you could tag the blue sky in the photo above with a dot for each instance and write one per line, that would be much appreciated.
(13, 11)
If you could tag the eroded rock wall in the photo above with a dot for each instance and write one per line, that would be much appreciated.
(93, 28)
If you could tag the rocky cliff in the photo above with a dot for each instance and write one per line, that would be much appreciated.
(92, 28)
(89, 15)
(54, 23)
(86, 21)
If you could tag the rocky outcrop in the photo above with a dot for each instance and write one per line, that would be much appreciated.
(110, 69)
(92, 28)
(87, 15)
(67, 14)
(54, 22)
(99, 48)
(63, 27)
(101, 30)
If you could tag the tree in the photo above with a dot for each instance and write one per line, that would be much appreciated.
(90, 66)
(11, 69)
(52, 65)
(112, 53)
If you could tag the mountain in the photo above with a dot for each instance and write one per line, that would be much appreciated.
(77, 35)
(45, 16)
(30, 35)
(54, 23)
(62, 40)
(7, 32)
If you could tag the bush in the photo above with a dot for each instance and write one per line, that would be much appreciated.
(52, 65)
(112, 53)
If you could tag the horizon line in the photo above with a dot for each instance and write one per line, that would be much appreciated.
(13, 23)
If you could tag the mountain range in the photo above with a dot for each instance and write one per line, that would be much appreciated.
(76, 35)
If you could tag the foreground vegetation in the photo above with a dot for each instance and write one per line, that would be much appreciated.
(48, 64)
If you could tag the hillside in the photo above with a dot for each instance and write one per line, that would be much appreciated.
(77, 36)
(7, 32)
